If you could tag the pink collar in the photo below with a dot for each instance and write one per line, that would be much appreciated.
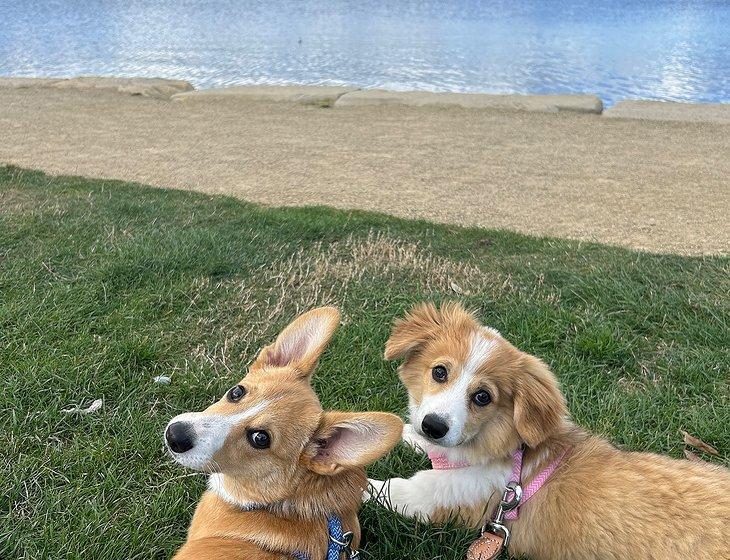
(529, 490)
(440, 462)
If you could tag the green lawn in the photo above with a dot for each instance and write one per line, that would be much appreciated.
(104, 285)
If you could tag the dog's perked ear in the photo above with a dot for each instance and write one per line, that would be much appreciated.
(301, 343)
(539, 405)
(351, 439)
(408, 333)
(422, 323)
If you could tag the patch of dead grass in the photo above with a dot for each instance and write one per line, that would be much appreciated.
(21, 202)
(13, 201)
(245, 313)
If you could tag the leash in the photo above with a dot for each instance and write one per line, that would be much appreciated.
(535, 484)
(495, 534)
(339, 543)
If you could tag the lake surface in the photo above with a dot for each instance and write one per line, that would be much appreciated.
(670, 50)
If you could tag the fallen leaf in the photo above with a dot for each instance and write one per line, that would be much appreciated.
(692, 456)
(698, 443)
(93, 407)
(457, 289)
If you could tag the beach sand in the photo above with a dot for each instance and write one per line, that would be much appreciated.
(650, 185)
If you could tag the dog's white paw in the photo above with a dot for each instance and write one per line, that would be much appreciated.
(374, 491)
(411, 437)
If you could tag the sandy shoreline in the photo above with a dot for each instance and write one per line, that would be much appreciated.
(651, 185)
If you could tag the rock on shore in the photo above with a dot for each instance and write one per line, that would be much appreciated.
(159, 88)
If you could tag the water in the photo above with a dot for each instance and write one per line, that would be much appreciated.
(670, 50)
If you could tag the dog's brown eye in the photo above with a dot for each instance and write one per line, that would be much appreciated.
(237, 393)
(481, 398)
(259, 439)
(439, 374)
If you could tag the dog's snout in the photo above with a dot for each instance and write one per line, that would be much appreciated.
(180, 437)
(434, 426)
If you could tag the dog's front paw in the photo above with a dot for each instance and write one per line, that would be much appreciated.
(394, 494)
(411, 437)
(374, 491)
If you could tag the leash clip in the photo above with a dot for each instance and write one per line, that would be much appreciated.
(510, 500)
(346, 545)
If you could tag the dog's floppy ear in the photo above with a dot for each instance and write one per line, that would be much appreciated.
(539, 405)
(301, 343)
(351, 439)
(408, 333)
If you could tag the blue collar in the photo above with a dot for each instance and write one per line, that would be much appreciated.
(339, 542)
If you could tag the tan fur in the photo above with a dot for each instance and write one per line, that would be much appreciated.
(601, 503)
(298, 478)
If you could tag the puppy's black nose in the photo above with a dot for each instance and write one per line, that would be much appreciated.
(434, 427)
(180, 437)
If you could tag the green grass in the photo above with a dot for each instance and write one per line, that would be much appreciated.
(104, 285)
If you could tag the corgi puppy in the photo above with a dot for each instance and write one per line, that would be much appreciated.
(488, 415)
(286, 477)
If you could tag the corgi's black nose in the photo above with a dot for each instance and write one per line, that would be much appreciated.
(180, 437)
(434, 427)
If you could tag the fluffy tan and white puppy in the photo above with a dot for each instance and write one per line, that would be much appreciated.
(475, 398)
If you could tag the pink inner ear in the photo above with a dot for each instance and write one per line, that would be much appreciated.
(294, 346)
(288, 351)
(324, 450)
(346, 445)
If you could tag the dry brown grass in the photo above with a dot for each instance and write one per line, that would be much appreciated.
(17, 202)
(20, 203)
(323, 274)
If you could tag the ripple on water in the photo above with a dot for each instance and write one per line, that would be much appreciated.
(670, 50)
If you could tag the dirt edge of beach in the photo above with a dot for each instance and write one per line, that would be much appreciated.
(652, 185)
